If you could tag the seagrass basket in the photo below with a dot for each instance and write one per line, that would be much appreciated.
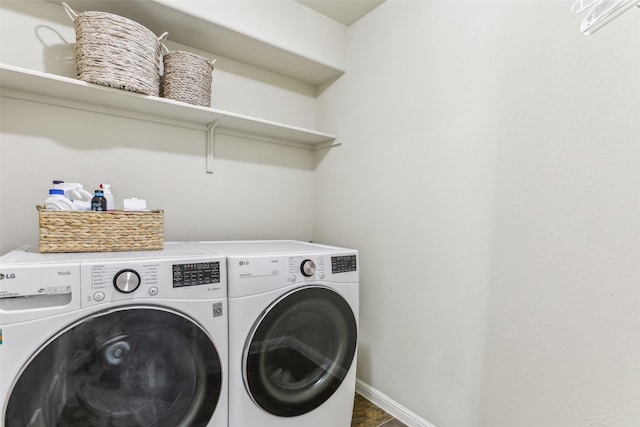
(187, 77)
(90, 231)
(115, 51)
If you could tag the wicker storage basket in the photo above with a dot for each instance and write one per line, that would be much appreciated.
(89, 231)
(117, 52)
(187, 78)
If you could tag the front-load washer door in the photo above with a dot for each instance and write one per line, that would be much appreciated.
(299, 351)
(133, 366)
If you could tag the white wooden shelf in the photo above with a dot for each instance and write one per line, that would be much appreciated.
(21, 83)
(201, 32)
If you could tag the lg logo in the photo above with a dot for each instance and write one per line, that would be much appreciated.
(7, 276)
(244, 263)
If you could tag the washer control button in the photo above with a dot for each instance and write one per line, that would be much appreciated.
(321, 275)
(307, 268)
(153, 291)
(98, 296)
(126, 281)
(293, 278)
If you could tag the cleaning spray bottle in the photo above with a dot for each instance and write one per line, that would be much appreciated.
(106, 188)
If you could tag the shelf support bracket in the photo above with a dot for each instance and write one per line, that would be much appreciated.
(211, 139)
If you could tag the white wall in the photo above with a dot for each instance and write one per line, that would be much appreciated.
(490, 176)
(258, 190)
(285, 24)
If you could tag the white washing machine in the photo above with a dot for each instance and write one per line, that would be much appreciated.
(114, 339)
(293, 333)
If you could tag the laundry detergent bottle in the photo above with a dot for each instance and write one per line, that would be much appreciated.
(74, 191)
(57, 201)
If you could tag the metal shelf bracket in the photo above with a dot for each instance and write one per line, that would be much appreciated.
(211, 138)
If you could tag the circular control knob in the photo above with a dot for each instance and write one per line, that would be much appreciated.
(307, 268)
(126, 281)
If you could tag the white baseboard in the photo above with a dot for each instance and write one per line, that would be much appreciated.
(391, 406)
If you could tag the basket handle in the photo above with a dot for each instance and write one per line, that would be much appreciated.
(70, 12)
(163, 49)
(166, 50)
(163, 38)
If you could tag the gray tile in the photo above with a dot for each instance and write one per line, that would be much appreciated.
(393, 423)
(366, 414)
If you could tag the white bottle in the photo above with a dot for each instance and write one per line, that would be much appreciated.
(106, 188)
(57, 201)
(73, 191)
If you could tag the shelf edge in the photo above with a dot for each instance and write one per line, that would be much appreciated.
(53, 89)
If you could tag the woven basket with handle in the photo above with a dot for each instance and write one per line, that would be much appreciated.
(117, 52)
(187, 77)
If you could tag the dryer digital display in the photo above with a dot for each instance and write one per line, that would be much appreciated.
(194, 274)
(343, 264)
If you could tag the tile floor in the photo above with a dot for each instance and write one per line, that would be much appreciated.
(366, 414)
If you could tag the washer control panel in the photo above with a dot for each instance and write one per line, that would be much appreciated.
(143, 279)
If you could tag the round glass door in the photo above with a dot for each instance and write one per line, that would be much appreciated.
(133, 367)
(300, 351)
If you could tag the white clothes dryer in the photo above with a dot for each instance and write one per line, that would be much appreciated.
(293, 333)
(114, 339)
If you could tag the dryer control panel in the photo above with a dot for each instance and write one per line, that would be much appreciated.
(253, 274)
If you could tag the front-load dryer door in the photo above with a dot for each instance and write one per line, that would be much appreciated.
(133, 367)
(300, 351)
